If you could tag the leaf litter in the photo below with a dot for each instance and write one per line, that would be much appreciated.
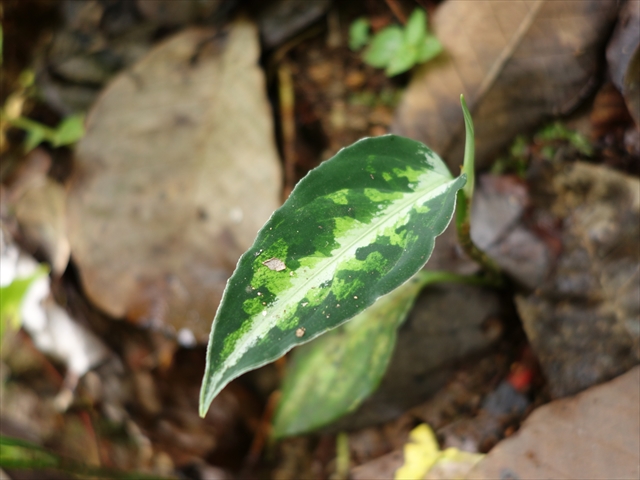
(148, 389)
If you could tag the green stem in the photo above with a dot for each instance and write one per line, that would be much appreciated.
(465, 197)
(430, 277)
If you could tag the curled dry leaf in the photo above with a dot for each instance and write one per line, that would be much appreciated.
(516, 62)
(177, 172)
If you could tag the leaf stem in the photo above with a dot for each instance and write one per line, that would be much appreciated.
(465, 197)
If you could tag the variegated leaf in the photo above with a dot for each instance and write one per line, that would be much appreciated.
(354, 229)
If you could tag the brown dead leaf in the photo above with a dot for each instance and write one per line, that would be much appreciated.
(176, 174)
(516, 62)
(593, 435)
(623, 55)
(39, 206)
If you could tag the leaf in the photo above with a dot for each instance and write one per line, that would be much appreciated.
(332, 375)
(11, 298)
(176, 174)
(354, 229)
(34, 137)
(384, 47)
(402, 61)
(430, 48)
(422, 456)
(359, 33)
(70, 130)
(416, 29)
(420, 453)
(516, 62)
(591, 435)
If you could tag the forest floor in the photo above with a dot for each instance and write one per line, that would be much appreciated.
(192, 121)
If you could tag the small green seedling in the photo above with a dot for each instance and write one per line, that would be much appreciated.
(353, 230)
(69, 131)
(393, 48)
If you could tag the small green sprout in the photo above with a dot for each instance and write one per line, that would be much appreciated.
(393, 48)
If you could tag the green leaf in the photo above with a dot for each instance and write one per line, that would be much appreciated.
(354, 229)
(35, 136)
(20, 455)
(416, 29)
(430, 48)
(70, 130)
(11, 298)
(358, 34)
(404, 60)
(332, 375)
(384, 46)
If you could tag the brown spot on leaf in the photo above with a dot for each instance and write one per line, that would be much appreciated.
(275, 264)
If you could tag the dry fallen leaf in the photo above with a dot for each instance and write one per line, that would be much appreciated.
(593, 435)
(623, 56)
(516, 62)
(176, 174)
(39, 206)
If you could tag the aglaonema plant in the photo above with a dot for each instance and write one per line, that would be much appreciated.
(353, 230)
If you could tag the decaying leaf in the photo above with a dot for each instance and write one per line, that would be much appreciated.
(177, 172)
(516, 63)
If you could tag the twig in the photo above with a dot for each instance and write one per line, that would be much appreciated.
(397, 10)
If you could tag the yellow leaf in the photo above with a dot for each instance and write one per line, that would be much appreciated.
(420, 454)
(424, 459)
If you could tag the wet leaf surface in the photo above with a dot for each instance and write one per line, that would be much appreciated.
(158, 210)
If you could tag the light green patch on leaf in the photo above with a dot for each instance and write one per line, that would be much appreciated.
(380, 196)
(290, 318)
(253, 306)
(231, 340)
(340, 256)
(345, 224)
(339, 197)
